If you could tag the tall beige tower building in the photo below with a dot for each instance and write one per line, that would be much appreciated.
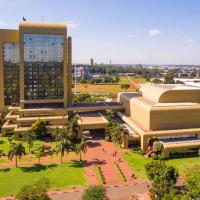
(35, 73)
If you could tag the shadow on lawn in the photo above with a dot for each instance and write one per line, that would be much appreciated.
(76, 164)
(37, 167)
(5, 170)
(2, 142)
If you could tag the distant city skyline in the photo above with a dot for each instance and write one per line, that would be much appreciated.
(124, 31)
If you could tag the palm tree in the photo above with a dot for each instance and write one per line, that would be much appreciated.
(29, 138)
(63, 143)
(17, 150)
(40, 153)
(72, 129)
(63, 146)
(118, 134)
(81, 147)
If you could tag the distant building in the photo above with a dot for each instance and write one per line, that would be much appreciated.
(82, 72)
(92, 62)
(138, 65)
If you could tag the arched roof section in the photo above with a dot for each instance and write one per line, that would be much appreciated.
(171, 93)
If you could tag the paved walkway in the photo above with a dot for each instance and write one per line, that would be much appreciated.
(114, 193)
(43, 160)
(101, 153)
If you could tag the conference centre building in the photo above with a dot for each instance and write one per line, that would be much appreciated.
(36, 82)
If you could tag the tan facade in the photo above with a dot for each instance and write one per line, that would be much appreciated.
(20, 118)
(167, 112)
(6, 36)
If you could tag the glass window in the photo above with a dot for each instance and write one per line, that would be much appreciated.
(43, 65)
(11, 73)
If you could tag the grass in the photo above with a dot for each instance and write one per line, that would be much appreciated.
(61, 175)
(5, 145)
(137, 163)
(88, 88)
(100, 175)
(139, 79)
(123, 80)
(120, 172)
(183, 163)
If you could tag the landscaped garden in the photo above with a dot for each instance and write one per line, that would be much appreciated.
(67, 174)
(137, 163)
(38, 143)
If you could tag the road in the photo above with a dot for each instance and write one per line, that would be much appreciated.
(114, 193)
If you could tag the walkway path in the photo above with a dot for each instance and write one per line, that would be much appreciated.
(102, 153)
(114, 193)
(134, 83)
(43, 160)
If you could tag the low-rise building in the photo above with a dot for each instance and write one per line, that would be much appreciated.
(168, 113)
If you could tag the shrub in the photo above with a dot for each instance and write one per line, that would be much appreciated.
(37, 191)
(158, 147)
(162, 177)
(95, 193)
(139, 151)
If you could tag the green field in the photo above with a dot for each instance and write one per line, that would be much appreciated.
(5, 145)
(123, 80)
(139, 79)
(61, 175)
(137, 162)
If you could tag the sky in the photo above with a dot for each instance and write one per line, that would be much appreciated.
(123, 31)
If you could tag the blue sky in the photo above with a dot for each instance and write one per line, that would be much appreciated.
(125, 31)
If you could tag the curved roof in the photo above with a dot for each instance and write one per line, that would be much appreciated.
(171, 93)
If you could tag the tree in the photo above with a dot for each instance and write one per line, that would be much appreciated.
(63, 143)
(169, 79)
(125, 86)
(37, 191)
(29, 138)
(63, 146)
(81, 147)
(162, 178)
(17, 150)
(158, 147)
(94, 193)
(72, 129)
(157, 81)
(39, 128)
(40, 153)
(118, 134)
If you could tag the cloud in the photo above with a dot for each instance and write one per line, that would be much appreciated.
(131, 36)
(154, 32)
(189, 40)
(2, 23)
(72, 25)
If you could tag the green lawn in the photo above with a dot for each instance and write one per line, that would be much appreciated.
(5, 145)
(137, 163)
(61, 175)
(123, 80)
(183, 163)
(139, 79)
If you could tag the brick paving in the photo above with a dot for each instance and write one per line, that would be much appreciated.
(44, 160)
(106, 154)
